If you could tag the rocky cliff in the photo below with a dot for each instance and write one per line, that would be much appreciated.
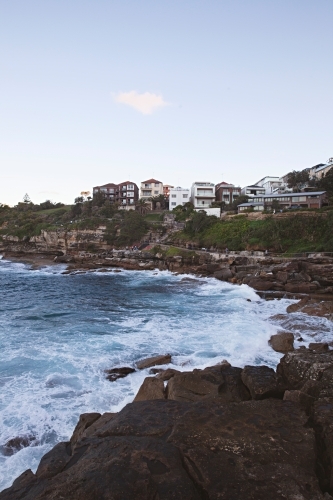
(219, 433)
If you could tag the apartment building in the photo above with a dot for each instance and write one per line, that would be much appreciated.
(270, 183)
(318, 171)
(151, 188)
(178, 196)
(253, 190)
(202, 194)
(312, 199)
(126, 193)
(226, 192)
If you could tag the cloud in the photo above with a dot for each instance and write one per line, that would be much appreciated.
(146, 103)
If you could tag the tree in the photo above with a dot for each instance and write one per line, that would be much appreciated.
(199, 221)
(237, 201)
(326, 184)
(142, 206)
(298, 179)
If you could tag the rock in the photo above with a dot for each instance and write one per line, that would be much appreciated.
(85, 421)
(220, 382)
(15, 444)
(54, 461)
(262, 382)
(282, 342)
(304, 400)
(313, 307)
(305, 366)
(323, 421)
(261, 284)
(167, 374)
(151, 388)
(114, 373)
(155, 360)
(282, 276)
(255, 450)
(318, 346)
(223, 274)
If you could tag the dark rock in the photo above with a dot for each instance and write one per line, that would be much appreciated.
(260, 284)
(262, 382)
(114, 373)
(306, 366)
(85, 421)
(304, 400)
(323, 422)
(222, 382)
(155, 360)
(313, 307)
(54, 461)
(151, 388)
(15, 444)
(253, 450)
(282, 342)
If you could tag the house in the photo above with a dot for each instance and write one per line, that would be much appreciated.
(150, 189)
(178, 196)
(126, 193)
(226, 192)
(253, 190)
(270, 183)
(312, 199)
(202, 194)
(318, 171)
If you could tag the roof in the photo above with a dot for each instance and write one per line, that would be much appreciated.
(302, 193)
(249, 204)
(324, 166)
(109, 185)
(151, 180)
(254, 186)
(224, 184)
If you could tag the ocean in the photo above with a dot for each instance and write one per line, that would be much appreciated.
(58, 333)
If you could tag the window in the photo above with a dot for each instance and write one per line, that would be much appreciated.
(173, 203)
(146, 193)
(111, 190)
(157, 184)
(130, 195)
(299, 198)
(173, 196)
(147, 186)
(130, 187)
(156, 192)
(185, 195)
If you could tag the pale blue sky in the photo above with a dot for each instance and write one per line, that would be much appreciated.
(248, 86)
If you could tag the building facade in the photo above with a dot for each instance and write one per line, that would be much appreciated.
(178, 196)
(312, 199)
(270, 184)
(151, 188)
(252, 191)
(126, 193)
(226, 192)
(202, 194)
(320, 170)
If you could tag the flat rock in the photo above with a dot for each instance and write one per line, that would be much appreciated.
(151, 388)
(167, 374)
(253, 450)
(282, 342)
(153, 361)
(262, 382)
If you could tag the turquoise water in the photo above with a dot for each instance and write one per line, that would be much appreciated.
(58, 333)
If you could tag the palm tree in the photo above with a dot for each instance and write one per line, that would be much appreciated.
(158, 199)
(142, 206)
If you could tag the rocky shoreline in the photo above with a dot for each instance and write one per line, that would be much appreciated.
(218, 433)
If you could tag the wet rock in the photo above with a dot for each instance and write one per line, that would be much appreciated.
(151, 388)
(301, 398)
(254, 450)
(221, 382)
(114, 373)
(261, 284)
(16, 444)
(155, 360)
(262, 382)
(282, 342)
(313, 307)
(323, 421)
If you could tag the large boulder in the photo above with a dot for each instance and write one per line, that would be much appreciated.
(255, 450)
(313, 307)
(222, 381)
(262, 382)
(282, 342)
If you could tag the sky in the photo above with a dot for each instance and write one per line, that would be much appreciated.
(103, 91)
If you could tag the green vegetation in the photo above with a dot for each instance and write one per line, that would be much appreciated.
(293, 233)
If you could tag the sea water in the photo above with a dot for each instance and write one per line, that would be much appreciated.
(58, 333)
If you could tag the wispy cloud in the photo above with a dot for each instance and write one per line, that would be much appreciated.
(146, 103)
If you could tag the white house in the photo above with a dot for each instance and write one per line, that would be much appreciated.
(270, 183)
(253, 190)
(202, 194)
(320, 170)
(178, 196)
